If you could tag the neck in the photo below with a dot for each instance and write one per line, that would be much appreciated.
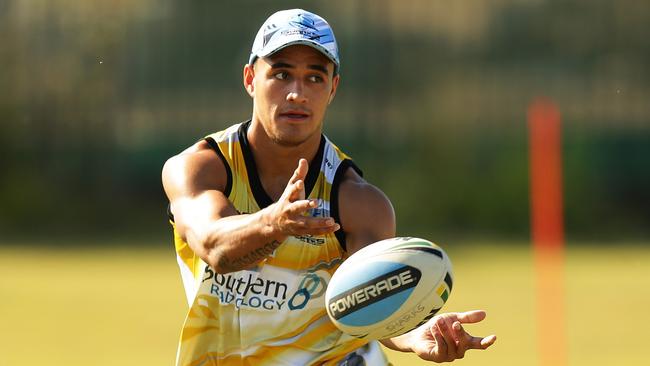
(275, 162)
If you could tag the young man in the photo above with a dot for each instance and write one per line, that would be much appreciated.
(266, 210)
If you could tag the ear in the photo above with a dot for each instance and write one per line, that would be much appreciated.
(335, 85)
(249, 78)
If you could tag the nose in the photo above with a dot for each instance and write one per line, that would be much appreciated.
(296, 94)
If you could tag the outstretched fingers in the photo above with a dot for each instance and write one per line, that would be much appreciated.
(291, 211)
(301, 206)
(446, 340)
(303, 224)
(466, 341)
(315, 225)
(473, 316)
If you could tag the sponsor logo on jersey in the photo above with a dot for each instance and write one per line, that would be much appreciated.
(248, 289)
(313, 240)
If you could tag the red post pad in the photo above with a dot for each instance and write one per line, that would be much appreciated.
(547, 229)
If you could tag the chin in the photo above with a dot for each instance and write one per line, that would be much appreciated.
(293, 135)
(288, 141)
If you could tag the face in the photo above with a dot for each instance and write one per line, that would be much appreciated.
(291, 90)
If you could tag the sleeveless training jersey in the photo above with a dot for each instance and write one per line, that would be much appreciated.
(274, 313)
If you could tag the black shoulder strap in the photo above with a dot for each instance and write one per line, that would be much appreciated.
(213, 144)
(334, 196)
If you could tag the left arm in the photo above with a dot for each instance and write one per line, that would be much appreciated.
(367, 216)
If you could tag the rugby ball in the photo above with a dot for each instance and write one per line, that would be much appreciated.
(389, 288)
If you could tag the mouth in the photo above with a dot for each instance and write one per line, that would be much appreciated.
(295, 115)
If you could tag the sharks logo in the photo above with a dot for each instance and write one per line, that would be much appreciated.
(300, 23)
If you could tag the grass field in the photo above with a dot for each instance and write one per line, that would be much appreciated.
(121, 306)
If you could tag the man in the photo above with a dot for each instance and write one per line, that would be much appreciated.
(266, 210)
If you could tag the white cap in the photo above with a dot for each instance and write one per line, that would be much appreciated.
(296, 26)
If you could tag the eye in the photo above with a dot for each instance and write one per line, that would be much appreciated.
(282, 75)
(315, 79)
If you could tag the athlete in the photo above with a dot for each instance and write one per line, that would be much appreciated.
(264, 212)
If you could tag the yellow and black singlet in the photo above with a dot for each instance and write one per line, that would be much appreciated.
(274, 313)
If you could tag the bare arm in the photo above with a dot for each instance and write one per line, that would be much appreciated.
(366, 213)
(226, 240)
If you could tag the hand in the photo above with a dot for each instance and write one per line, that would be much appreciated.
(288, 215)
(443, 339)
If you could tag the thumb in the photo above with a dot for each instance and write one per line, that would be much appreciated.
(301, 171)
(481, 342)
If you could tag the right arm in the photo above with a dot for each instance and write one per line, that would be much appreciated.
(227, 241)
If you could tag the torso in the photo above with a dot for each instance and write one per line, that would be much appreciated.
(273, 313)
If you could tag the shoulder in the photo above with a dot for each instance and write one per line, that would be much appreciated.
(365, 212)
(356, 188)
(196, 169)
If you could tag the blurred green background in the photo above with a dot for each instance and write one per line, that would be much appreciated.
(96, 95)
